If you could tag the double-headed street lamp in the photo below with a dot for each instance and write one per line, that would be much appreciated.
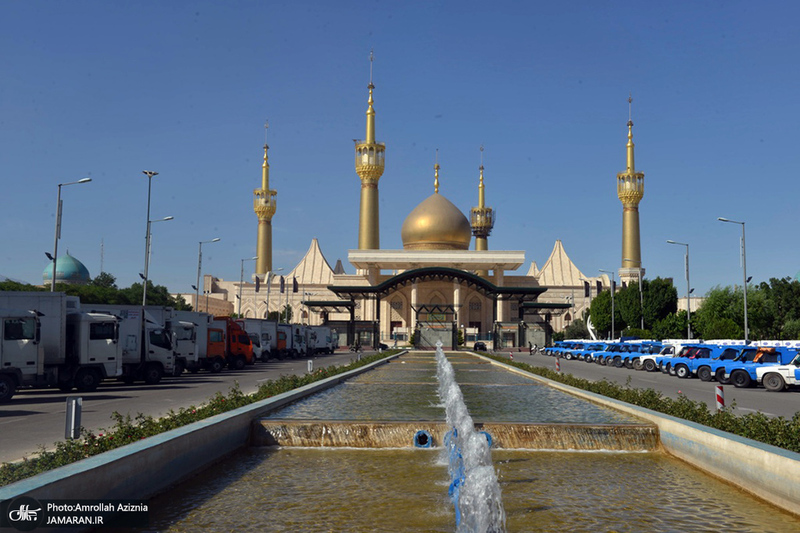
(58, 228)
(744, 271)
(612, 299)
(199, 267)
(147, 257)
(688, 290)
(241, 282)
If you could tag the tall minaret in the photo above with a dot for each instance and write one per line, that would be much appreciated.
(630, 190)
(481, 219)
(369, 166)
(264, 206)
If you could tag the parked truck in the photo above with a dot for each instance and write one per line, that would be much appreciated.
(21, 350)
(238, 347)
(144, 342)
(76, 348)
(321, 340)
(263, 334)
(779, 377)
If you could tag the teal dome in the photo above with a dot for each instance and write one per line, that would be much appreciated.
(68, 270)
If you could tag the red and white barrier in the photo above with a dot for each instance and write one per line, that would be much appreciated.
(558, 364)
(720, 398)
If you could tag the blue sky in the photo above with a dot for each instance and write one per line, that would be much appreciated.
(108, 89)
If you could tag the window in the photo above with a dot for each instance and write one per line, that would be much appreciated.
(102, 331)
(215, 335)
(17, 329)
(160, 338)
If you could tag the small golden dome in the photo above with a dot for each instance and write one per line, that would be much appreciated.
(436, 224)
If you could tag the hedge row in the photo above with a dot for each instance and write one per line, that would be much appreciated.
(127, 430)
(777, 431)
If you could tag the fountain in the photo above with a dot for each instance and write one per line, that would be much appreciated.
(366, 455)
(473, 487)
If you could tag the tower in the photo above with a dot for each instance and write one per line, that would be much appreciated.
(369, 167)
(481, 218)
(630, 190)
(264, 206)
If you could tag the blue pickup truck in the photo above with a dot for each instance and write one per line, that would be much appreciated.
(742, 370)
(698, 362)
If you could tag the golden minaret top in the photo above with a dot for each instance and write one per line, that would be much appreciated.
(370, 162)
(265, 206)
(481, 217)
(630, 190)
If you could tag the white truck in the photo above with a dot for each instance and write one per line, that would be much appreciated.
(78, 349)
(264, 335)
(145, 344)
(199, 323)
(321, 340)
(21, 351)
(779, 377)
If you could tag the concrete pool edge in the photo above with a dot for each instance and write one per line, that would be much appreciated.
(767, 472)
(145, 468)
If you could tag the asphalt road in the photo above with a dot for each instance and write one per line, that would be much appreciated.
(743, 401)
(36, 418)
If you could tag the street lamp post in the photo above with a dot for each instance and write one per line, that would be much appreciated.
(199, 267)
(241, 282)
(612, 300)
(149, 174)
(744, 272)
(688, 290)
(58, 228)
(641, 293)
(147, 257)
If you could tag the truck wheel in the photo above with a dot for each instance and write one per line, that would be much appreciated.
(617, 361)
(682, 371)
(637, 364)
(152, 374)
(628, 363)
(237, 363)
(650, 365)
(264, 357)
(704, 373)
(7, 388)
(87, 380)
(720, 376)
(740, 379)
(216, 365)
(179, 368)
(774, 382)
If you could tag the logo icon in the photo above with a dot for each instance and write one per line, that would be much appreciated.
(25, 514)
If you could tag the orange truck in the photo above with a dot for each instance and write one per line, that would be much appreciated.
(238, 348)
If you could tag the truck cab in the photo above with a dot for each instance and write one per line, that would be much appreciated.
(21, 352)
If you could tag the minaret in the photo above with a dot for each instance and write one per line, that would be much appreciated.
(264, 206)
(481, 219)
(369, 166)
(630, 190)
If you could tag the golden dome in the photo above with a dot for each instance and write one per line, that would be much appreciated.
(436, 224)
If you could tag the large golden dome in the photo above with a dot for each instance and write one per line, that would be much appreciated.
(436, 224)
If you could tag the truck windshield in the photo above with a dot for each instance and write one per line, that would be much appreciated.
(18, 329)
(159, 337)
(102, 331)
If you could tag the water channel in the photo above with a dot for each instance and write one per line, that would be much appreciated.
(394, 487)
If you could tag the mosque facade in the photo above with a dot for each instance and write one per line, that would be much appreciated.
(435, 287)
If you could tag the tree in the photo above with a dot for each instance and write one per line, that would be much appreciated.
(576, 330)
(721, 315)
(104, 279)
(600, 312)
(672, 326)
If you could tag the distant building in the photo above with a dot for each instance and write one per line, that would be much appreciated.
(68, 270)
